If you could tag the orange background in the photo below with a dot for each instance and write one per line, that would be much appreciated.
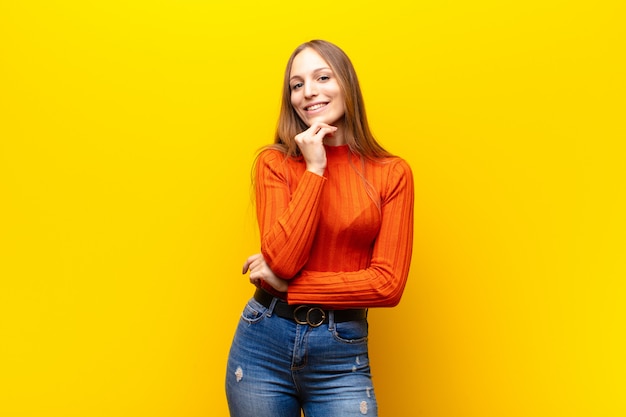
(127, 133)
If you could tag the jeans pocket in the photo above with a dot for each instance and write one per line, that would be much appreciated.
(253, 312)
(355, 331)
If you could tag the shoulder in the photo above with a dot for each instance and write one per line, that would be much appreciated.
(274, 153)
(394, 167)
(400, 166)
(270, 155)
(400, 174)
(394, 175)
(270, 158)
(275, 160)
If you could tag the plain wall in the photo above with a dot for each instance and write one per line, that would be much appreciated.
(127, 134)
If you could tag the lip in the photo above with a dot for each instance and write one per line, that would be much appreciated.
(308, 106)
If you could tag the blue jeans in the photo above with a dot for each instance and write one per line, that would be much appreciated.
(277, 367)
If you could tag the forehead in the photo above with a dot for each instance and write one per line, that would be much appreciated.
(307, 61)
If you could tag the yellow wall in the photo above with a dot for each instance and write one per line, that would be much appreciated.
(127, 131)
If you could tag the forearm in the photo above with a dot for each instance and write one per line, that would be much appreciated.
(288, 222)
(380, 285)
(381, 282)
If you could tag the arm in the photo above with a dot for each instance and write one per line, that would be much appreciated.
(287, 221)
(260, 273)
(383, 282)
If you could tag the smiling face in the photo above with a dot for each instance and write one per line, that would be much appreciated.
(315, 92)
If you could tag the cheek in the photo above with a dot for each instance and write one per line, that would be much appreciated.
(294, 100)
(295, 104)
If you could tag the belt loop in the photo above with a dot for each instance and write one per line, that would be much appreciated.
(331, 320)
(270, 309)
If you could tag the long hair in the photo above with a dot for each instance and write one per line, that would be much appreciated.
(358, 136)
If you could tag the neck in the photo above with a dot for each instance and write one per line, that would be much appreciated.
(338, 138)
(334, 141)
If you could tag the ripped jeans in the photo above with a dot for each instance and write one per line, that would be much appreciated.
(276, 367)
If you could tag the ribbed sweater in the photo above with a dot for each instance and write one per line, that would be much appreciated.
(344, 239)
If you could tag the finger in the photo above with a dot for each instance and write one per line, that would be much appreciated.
(319, 125)
(256, 279)
(260, 271)
(248, 264)
(316, 138)
(325, 131)
(326, 127)
(313, 130)
(255, 275)
(319, 128)
(256, 265)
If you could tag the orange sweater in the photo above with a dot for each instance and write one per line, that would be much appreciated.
(327, 236)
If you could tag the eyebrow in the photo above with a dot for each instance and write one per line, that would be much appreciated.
(314, 71)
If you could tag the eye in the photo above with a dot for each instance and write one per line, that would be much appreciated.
(296, 86)
(324, 77)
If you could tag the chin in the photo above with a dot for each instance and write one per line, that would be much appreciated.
(321, 119)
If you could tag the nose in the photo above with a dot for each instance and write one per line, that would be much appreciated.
(310, 90)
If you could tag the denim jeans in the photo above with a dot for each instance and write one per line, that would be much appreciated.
(277, 367)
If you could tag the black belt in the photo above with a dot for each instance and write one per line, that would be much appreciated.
(304, 314)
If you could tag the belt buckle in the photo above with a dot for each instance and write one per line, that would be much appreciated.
(308, 316)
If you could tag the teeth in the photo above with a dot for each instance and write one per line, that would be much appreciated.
(315, 107)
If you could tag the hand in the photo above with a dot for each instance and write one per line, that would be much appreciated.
(260, 271)
(311, 144)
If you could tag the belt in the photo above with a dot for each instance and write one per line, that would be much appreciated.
(305, 314)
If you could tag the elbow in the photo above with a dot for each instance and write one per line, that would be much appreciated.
(390, 292)
(392, 299)
(284, 270)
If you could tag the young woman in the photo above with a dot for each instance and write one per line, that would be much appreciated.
(335, 211)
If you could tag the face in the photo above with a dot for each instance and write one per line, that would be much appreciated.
(315, 92)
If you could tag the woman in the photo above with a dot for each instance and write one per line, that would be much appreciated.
(335, 211)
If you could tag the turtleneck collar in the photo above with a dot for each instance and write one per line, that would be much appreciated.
(337, 150)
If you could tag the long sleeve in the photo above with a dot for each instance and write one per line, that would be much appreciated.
(382, 282)
(287, 221)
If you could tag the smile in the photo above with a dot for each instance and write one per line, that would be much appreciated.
(315, 107)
